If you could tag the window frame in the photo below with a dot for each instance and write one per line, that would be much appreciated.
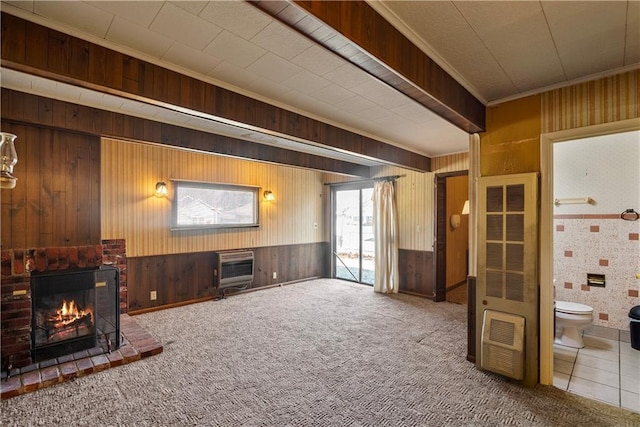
(178, 184)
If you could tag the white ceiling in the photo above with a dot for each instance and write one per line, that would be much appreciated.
(504, 49)
(497, 50)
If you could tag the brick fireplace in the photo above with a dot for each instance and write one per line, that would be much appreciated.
(18, 267)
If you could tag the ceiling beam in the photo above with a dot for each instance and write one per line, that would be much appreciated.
(35, 110)
(34, 49)
(357, 33)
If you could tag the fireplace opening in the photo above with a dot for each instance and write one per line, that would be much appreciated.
(63, 313)
(74, 311)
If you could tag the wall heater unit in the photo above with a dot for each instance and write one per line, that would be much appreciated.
(502, 349)
(233, 269)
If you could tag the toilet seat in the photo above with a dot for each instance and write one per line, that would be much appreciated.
(573, 308)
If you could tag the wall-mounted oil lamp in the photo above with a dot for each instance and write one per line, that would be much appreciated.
(8, 159)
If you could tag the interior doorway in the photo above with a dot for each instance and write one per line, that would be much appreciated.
(353, 249)
(547, 227)
(452, 237)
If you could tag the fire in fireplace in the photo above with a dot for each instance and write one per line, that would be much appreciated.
(63, 319)
(69, 321)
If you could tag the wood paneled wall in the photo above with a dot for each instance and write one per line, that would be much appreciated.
(450, 163)
(35, 49)
(56, 201)
(414, 197)
(130, 210)
(20, 107)
(416, 272)
(180, 278)
(606, 100)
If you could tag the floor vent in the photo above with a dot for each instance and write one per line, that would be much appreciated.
(503, 344)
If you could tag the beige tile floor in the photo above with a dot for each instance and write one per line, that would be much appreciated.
(606, 369)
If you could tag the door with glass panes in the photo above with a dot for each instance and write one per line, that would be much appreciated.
(508, 257)
(352, 240)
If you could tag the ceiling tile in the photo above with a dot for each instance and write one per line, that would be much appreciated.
(100, 100)
(632, 48)
(232, 74)
(333, 94)
(130, 35)
(82, 16)
(347, 76)
(14, 80)
(306, 82)
(437, 24)
(24, 5)
(354, 104)
(138, 109)
(504, 31)
(191, 59)
(274, 68)
(601, 29)
(306, 102)
(268, 88)
(318, 60)
(380, 93)
(140, 13)
(193, 7)
(182, 26)
(234, 49)
(376, 113)
(415, 112)
(281, 40)
(37, 85)
(237, 17)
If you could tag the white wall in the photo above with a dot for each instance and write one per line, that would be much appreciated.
(591, 238)
(606, 168)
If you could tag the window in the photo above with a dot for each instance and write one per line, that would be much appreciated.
(213, 205)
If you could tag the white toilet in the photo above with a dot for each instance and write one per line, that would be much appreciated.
(571, 319)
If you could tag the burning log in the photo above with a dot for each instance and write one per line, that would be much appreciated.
(68, 318)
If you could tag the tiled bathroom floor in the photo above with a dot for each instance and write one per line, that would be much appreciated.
(606, 369)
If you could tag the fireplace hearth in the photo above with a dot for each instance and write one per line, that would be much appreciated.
(61, 316)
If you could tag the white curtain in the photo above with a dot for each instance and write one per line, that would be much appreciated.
(385, 233)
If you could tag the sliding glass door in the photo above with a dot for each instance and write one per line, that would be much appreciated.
(352, 237)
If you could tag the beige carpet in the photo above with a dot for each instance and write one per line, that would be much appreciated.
(319, 353)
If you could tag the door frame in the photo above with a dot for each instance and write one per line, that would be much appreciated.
(546, 229)
(359, 185)
(440, 233)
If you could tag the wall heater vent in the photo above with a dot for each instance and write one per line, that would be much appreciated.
(234, 268)
(503, 344)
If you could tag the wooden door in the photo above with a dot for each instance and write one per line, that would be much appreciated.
(508, 257)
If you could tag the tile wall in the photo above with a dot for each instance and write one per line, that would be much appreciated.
(601, 244)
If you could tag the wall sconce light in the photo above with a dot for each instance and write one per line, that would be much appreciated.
(455, 219)
(8, 159)
(268, 196)
(161, 189)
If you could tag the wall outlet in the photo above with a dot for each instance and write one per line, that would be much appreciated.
(275, 275)
(153, 295)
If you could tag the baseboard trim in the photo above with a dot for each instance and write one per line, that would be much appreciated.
(209, 298)
(165, 306)
(415, 294)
